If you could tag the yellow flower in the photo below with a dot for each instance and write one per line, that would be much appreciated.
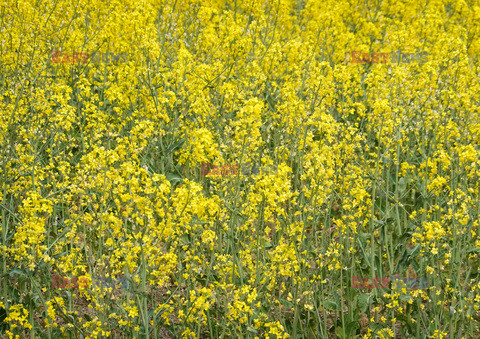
(84, 281)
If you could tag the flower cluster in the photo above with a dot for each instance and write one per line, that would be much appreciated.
(357, 57)
(95, 57)
(244, 169)
(76, 282)
(359, 282)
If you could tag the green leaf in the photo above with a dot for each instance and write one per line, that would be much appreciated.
(414, 251)
(415, 265)
(350, 328)
(176, 145)
(9, 236)
(59, 254)
(286, 303)
(339, 332)
(402, 184)
(364, 300)
(330, 305)
(17, 271)
(375, 327)
(378, 221)
(173, 178)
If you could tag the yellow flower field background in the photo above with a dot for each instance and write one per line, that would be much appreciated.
(377, 169)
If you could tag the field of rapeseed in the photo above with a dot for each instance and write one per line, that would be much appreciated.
(239, 169)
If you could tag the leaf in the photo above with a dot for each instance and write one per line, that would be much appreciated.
(9, 236)
(415, 265)
(17, 271)
(350, 328)
(176, 145)
(59, 255)
(364, 300)
(330, 305)
(376, 327)
(3, 325)
(339, 332)
(286, 303)
(402, 184)
(363, 245)
(32, 300)
(414, 251)
(173, 178)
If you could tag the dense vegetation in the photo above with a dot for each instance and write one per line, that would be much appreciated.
(350, 131)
